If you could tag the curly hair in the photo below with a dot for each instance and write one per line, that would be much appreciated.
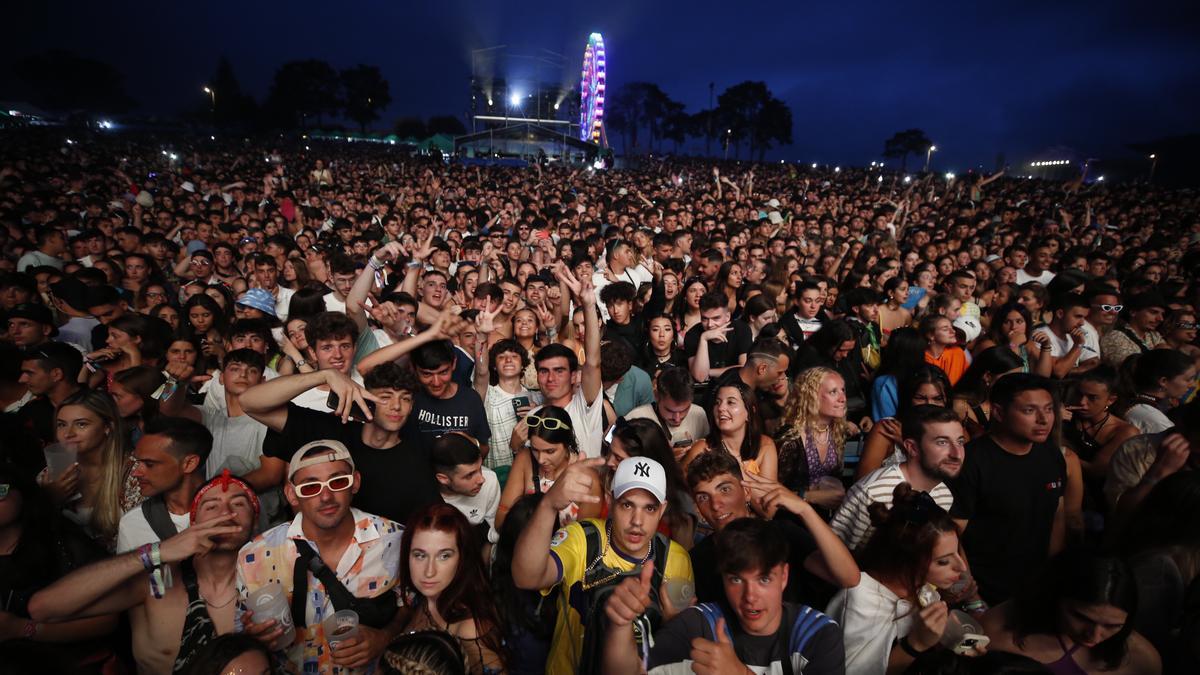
(802, 414)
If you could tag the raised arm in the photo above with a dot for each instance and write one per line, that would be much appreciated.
(532, 566)
(592, 383)
(356, 300)
(445, 326)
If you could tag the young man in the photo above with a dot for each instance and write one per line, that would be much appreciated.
(566, 384)
(717, 344)
(1068, 341)
(587, 558)
(51, 244)
(266, 276)
(1104, 306)
(342, 273)
(69, 297)
(623, 323)
(466, 484)
(397, 477)
(961, 285)
(30, 326)
(806, 317)
(498, 373)
(1038, 266)
(329, 557)
(1008, 497)
(169, 625)
(682, 421)
(943, 350)
(621, 260)
(169, 467)
(766, 369)
(751, 628)
(722, 494)
(442, 405)
(51, 374)
(933, 445)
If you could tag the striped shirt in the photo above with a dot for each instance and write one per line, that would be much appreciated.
(852, 522)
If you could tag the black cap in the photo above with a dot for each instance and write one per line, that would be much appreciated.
(60, 355)
(71, 291)
(1144, 300)
(34, 312)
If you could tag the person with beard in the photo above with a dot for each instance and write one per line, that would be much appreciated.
(169, 468)
(1008, 497)
(933, 445)
(170, 621)
(329, 558)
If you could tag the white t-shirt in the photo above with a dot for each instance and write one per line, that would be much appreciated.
(1091, 342)
(1060, 346)
(1024, 277)
(135, 530)
(587, 422)
(636, 275)
(872, 619)
(1147, 418)
(693, 428)
(332, 304)
(481, 507)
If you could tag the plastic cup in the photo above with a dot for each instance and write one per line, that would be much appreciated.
(271, 602)
(681, 592)
(59, 458)
(340, 627)
(958, 624)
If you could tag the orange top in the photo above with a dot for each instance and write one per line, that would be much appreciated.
(953, 362)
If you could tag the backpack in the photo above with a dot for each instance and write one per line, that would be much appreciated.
(592, 602)
(808, 623)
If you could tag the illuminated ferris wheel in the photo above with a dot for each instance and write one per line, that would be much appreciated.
(591, 91)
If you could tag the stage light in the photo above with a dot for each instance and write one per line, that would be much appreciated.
(490, 103)
(950, 176)
(515, 99)
(908, 179)
(814, 165)
(556, 106)
(879, 180)
(1153, 156)
(837, 169)
(70, 142)
(1100, 179)
(105, 124)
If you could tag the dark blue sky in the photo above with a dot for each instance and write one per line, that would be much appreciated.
(980, 78)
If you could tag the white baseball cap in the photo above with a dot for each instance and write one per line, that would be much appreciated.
(970, 327)
(640, 473)
(337, 452)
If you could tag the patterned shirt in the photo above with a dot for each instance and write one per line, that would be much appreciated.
(852, 522)
(369, 567)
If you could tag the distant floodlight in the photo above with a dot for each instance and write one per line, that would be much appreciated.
(949, 176)
(837, 169)
(70, 142)
(933, 148)
(879, 180)
(490, 103)
(173, 156)
(1100, 179)
(908, 179)
(814, 165)
(212, 138)
(1153, 156)
(515, 99)
(556, 106)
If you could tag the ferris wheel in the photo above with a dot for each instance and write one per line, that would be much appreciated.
(591, 91)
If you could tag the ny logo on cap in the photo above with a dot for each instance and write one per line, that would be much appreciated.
(641, 469)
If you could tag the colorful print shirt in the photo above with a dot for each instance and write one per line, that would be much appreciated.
(369, 567)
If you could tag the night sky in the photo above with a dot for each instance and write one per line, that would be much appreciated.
(979, 78)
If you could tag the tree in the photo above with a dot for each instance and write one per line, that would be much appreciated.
(308, 88)
(228, 106)
(621, 113)
(749, 111)
(365, 93)
(410, 127)
(905, 143)
(676, 124)
(63, 81)
(446, 124)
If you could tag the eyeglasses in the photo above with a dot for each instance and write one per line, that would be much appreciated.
(547, 423)
(1109, 308)
(1186, 326)
(313, 488)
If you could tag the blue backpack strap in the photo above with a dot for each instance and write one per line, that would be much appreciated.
(711, 612)
(808, 623)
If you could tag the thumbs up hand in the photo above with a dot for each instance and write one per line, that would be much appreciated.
(716, 658)
(630, 599)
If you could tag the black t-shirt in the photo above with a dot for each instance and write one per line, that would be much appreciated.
(1010, 501)
(633, 333)
(823, 654)
(720, 354)
(396, 481)
(433, 417)
(802, 586)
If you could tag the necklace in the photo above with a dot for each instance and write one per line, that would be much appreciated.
(214, 605)
(589, 585)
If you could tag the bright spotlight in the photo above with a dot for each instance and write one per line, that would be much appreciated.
(556, 106)
(950, 175)
(515, 99)
(1100, 179)
(879, 179)
(814, 165)
(837, 169)
(908, 179)
(490, 102)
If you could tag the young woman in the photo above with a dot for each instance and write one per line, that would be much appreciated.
(914, 545)
(527, 621)
(1160, 378)
(1034, 297)
(892, 313)
(662, 347)
(551, 448)
(167, 313)
(1010, 326)
(760, 311)
(923, 385)
(1076, 618)
(812, 438)
(295, 345)
(902, 355)
(671, 286)
(205, 320)
(1179, 333)
(736, 428)
(133, 339)
(498, 373)
(729, 281)
(100, 487)
(572, 337)
(151, 295)
(445, 588)
(687, 313)
(970, 399)
(1095, 431)
(525, 332)
(133, 392)
(941, 347)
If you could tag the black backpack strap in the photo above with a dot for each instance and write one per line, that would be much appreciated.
(591, 535)
(374, 612)
(155, 511)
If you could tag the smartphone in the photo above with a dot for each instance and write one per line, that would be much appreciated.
(520, 402)
(685, 443)
(355, 413)
(971, 641)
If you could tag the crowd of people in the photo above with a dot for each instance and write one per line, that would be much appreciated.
(272, 409)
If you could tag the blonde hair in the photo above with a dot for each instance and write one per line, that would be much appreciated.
(803, 410)
(114, 461)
